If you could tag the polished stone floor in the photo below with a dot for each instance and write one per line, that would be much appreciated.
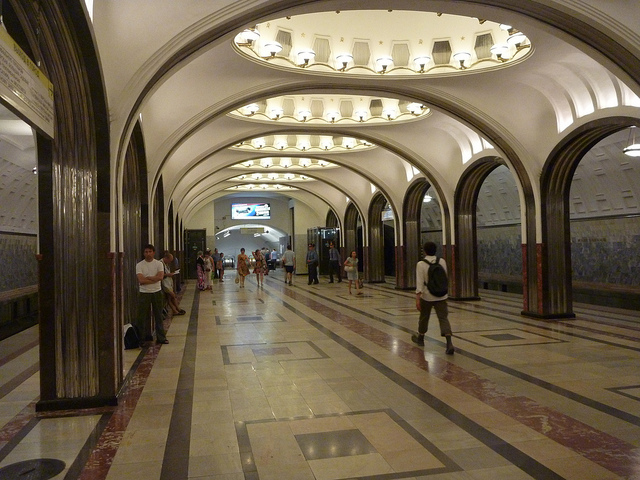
(309, 382)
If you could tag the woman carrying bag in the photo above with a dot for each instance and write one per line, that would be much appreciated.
(351, 268)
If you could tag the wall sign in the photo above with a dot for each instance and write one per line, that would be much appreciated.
(24, 87)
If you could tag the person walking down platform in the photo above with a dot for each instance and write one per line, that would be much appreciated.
(351, 267)
(289, 264)
(243, 267)
(431, 292)
(261, 268)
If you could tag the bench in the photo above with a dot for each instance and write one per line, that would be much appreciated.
(18, 310)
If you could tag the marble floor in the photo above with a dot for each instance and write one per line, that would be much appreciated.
(309, 382)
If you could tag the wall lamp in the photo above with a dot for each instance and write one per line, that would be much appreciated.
(633, 148)
(250, 35)
(421, 62)
(332, 116)
(384, 63)
(462, 57)
(344, 59)
(276, 113)
(305, 56)
(304, 115)
(389, 113)
(507, 28)
(501, 51)
(349, 142)
(326, 143)
(361, 115)
(273, 48)
(517, 40)
(303, 145)
(252, 109)
(415, 108)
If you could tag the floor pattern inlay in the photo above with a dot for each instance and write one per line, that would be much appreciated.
(600, 447)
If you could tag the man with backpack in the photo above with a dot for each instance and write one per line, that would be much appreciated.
(431, 292)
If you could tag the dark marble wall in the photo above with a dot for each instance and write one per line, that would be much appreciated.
(606, 250)
(18, 260)
(500, 250)
(603, 250)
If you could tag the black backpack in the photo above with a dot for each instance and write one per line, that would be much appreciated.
(438, 283)
(131, 338)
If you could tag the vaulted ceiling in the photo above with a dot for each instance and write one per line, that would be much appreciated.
(224, 112)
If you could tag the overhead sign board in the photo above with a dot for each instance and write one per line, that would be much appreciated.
(24, 87)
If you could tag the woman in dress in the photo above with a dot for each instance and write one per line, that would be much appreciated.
(261, 267)
(351, 267)
(243, 267)
(208, 270)
(200, 271)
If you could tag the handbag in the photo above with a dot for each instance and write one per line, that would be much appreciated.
(237, 280)
(349, 268)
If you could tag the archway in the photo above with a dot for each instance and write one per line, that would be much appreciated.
(410, 251)
(159, 217)
(375, 249)
(332, 220)
(556, 296)
(79, 362)
(135, 215)
(464, 272)
(352, 233)
(250, 237)
(171, 244)
(603, 210)
(499, 232)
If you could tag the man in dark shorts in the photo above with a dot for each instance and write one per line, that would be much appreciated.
(289, 264)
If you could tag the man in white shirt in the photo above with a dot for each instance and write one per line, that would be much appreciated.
(425, 300)
(289, 264)
(150, 273)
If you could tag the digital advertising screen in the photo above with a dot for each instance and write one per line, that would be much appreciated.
(241, 211)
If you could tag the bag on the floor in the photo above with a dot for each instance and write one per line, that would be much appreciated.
(131, 339)
(438, 283)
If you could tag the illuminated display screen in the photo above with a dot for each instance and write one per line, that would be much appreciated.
(240, 211)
